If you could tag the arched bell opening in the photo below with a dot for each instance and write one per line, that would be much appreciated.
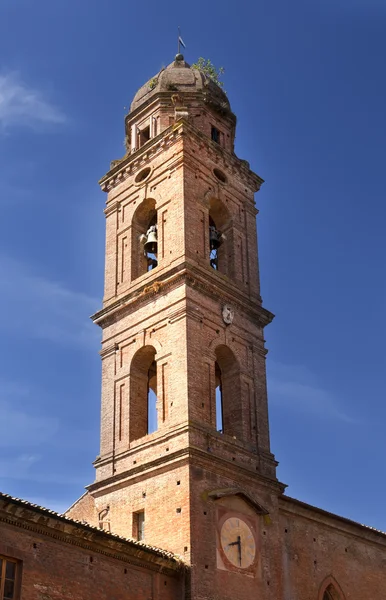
(219, 241)
(219, 399)
(150, 244)
(229, 416)
(144, 238)
(152, 413)
(143, 413)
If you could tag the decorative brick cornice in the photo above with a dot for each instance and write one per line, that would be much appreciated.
(186, 455)
(196, 277)
(130, 163)
(108, 350)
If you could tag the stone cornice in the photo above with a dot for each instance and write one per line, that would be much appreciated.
(186, 455)
(126, 166)
(130, 162)
(194, 276)
(146, 292)
(221, 288)
(164, 100)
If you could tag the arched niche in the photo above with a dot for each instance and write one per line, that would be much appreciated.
(143, 414)
(227, 377)
(220, 223)
(144, 217)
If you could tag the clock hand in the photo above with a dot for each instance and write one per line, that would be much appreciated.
(239, 544)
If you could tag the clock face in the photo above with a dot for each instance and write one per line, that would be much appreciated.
(238, 542)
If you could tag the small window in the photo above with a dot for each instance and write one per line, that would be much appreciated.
(8, 571)
(220, 175)
(142, 175)
(215, 135)
(139, 525)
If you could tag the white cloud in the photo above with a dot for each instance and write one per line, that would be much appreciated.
(40, 308)
(296, 388)
(23, 105)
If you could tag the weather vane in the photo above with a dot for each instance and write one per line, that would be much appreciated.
(180, 41)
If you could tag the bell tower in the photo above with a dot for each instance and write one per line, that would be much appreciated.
(185, 461)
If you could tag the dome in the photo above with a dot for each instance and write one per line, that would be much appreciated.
(181, 77)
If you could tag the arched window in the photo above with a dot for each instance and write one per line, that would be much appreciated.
(229, 417)
(219, 236)
(331, 591)
(144, 238)
(143, 414)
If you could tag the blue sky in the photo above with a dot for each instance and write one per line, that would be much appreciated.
(306, 80)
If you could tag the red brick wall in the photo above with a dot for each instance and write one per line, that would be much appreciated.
(52, 569)
(317, 546)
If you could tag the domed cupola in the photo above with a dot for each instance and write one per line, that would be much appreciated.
(179, 76)
(180, 91)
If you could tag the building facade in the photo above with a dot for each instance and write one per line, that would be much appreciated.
(185, 462)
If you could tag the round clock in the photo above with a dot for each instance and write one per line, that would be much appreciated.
(238, 542)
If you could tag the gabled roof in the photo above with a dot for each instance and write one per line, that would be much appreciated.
(224, 492)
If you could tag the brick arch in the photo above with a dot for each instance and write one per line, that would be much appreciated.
(140, 343)
(330, 589)
(216, 342)
(143, 377)
(144, 215)
(219, 212)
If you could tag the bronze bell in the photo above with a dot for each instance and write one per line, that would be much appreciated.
(215, 238)
(150, 246)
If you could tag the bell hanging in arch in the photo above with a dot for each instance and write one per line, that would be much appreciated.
(150, 246)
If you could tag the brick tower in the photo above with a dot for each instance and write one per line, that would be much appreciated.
(185, 460)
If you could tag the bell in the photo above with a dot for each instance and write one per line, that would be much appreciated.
(150, 246)
(215, 238)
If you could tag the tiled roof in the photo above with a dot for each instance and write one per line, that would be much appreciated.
(138, 544)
